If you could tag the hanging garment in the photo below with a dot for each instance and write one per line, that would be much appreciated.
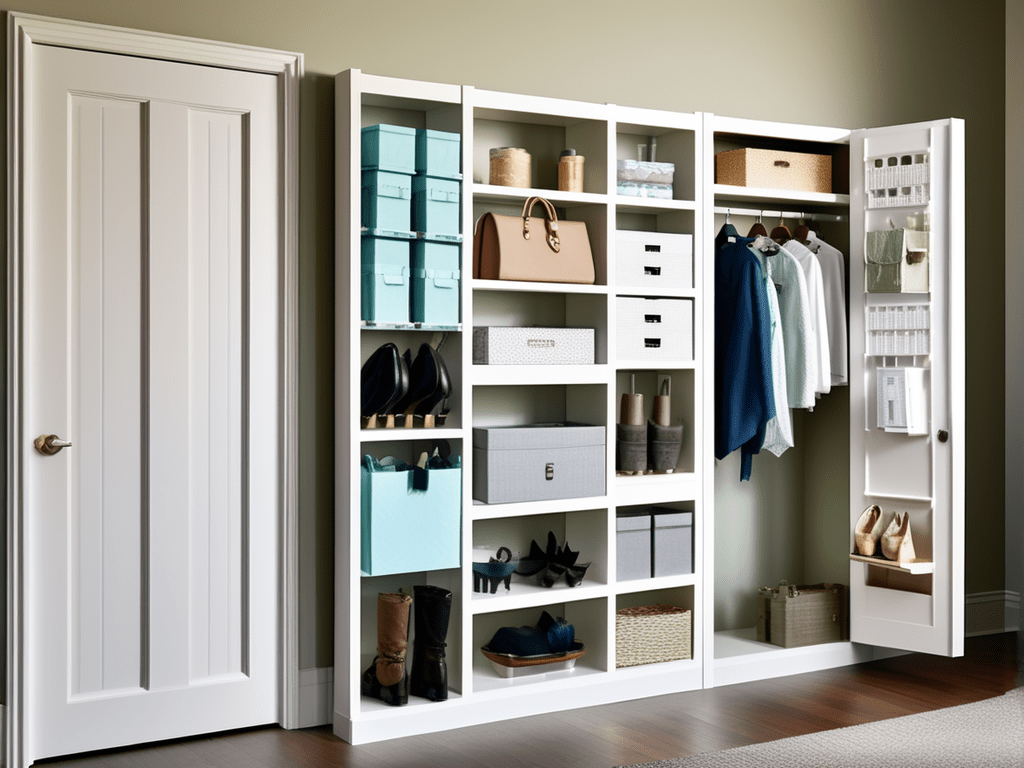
(833, 276)
(744, 397)
(816, 296)
(778, 436)
(797, 331)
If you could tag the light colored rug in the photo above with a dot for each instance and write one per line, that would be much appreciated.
(988, 733)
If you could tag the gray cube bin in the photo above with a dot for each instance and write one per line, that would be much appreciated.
(673, 542)
(538, 462)
(633, 545)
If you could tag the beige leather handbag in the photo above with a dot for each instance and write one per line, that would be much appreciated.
(539, 251)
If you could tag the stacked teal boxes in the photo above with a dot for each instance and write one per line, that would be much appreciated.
(436, 217)
(388, 164)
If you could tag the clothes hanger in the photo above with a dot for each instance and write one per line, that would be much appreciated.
(802, 231)
(781, 233)
(758, 228)
(728, 230)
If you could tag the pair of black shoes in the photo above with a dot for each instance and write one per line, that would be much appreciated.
(398, 391)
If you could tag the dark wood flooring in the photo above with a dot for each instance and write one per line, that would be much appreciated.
(617, 734)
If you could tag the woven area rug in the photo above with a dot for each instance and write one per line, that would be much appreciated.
(987, 733)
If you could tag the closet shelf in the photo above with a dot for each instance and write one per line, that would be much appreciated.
(626, 204)
(518, 375)
(655, 489)
(386, 435)
(662, 582)
(492, 193)
(366, 325)
(725, 192)
(655, 365)
(525, 595)
(478, 284)
(913, 567)
(482, 511)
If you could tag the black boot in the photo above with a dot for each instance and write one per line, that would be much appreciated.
(386, 678)
(429, 678)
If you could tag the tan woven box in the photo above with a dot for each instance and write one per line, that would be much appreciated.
(773, 169)
(792, 616)
(650, 634)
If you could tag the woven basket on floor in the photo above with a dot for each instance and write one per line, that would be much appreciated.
(649, 634)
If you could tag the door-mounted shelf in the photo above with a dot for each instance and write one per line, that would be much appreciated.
(914, 566)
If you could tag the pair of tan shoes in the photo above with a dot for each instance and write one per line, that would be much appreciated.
(896, 542)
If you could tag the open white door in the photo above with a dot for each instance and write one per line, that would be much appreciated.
(150, 276)
(907, 372)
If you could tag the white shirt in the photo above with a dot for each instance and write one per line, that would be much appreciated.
(778, 433)
(797, 330)
(816, 296)
(833, 275)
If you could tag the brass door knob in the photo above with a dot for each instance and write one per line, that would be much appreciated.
(48, 445)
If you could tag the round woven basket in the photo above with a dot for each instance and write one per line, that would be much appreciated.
(510, 167)
(649, 634)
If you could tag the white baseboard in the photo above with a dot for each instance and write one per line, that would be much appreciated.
(990, 613)
(316, 696)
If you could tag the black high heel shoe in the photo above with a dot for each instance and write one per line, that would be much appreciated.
(384, 380)
(429, 384)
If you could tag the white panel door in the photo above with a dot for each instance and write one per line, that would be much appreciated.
(909, 177)
(151, 343)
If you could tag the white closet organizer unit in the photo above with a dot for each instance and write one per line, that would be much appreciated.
(497, 396)
(916, 606)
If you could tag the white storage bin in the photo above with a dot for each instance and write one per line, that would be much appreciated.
(500, 345)
(657, 262)
(658, 330)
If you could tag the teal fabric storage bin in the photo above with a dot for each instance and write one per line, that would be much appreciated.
(438, 153)
(387, 200)
(406, 529)
(389, 148)
(435, 205)
(435, 282)
(385, 278)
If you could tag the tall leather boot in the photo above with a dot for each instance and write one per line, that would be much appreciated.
(433, 607)
(386, 679)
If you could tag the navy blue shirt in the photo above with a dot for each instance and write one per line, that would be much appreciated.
(744, 399)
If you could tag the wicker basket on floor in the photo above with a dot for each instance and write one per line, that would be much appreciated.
(649, 634)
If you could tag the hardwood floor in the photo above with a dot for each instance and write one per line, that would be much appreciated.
(630, 732)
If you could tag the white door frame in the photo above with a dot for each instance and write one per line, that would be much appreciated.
(23, 32)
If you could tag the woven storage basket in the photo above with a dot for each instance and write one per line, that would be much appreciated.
(773, 169)
(649, 634)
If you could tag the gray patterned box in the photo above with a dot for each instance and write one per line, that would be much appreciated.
(499, 345)
(538, 462)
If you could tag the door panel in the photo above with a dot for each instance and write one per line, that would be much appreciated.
(909, 177)
(152, 316)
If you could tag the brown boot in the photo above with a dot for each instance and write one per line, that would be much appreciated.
(386, 679)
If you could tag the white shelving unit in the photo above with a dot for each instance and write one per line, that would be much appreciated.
(489, 396)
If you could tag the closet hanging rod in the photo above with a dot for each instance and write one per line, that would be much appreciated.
(723, 209)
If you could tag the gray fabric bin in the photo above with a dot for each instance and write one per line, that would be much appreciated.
(673, 542)
(538, 462)
(633, 545)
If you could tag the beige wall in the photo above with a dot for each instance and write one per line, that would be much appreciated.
(1014, 290)
(854, 64)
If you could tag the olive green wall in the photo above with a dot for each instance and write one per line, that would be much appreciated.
(853, 64)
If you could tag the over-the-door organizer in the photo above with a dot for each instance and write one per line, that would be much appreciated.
(622, 556)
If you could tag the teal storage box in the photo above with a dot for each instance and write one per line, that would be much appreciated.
(389, 148)
(438, 153)
(411, 518)
(435, 282)
(385, 279)
(435, 205)
(387, 200)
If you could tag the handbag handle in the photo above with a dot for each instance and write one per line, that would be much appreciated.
(552, 222)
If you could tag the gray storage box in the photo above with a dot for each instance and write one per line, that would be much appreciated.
(538, 462)
(633, 545)
(673, 542)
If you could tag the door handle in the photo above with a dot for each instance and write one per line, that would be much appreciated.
(48, 445)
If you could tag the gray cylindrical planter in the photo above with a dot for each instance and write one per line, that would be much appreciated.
(630, 448)
(663, 446)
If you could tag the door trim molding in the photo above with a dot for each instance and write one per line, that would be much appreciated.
(23, 32)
